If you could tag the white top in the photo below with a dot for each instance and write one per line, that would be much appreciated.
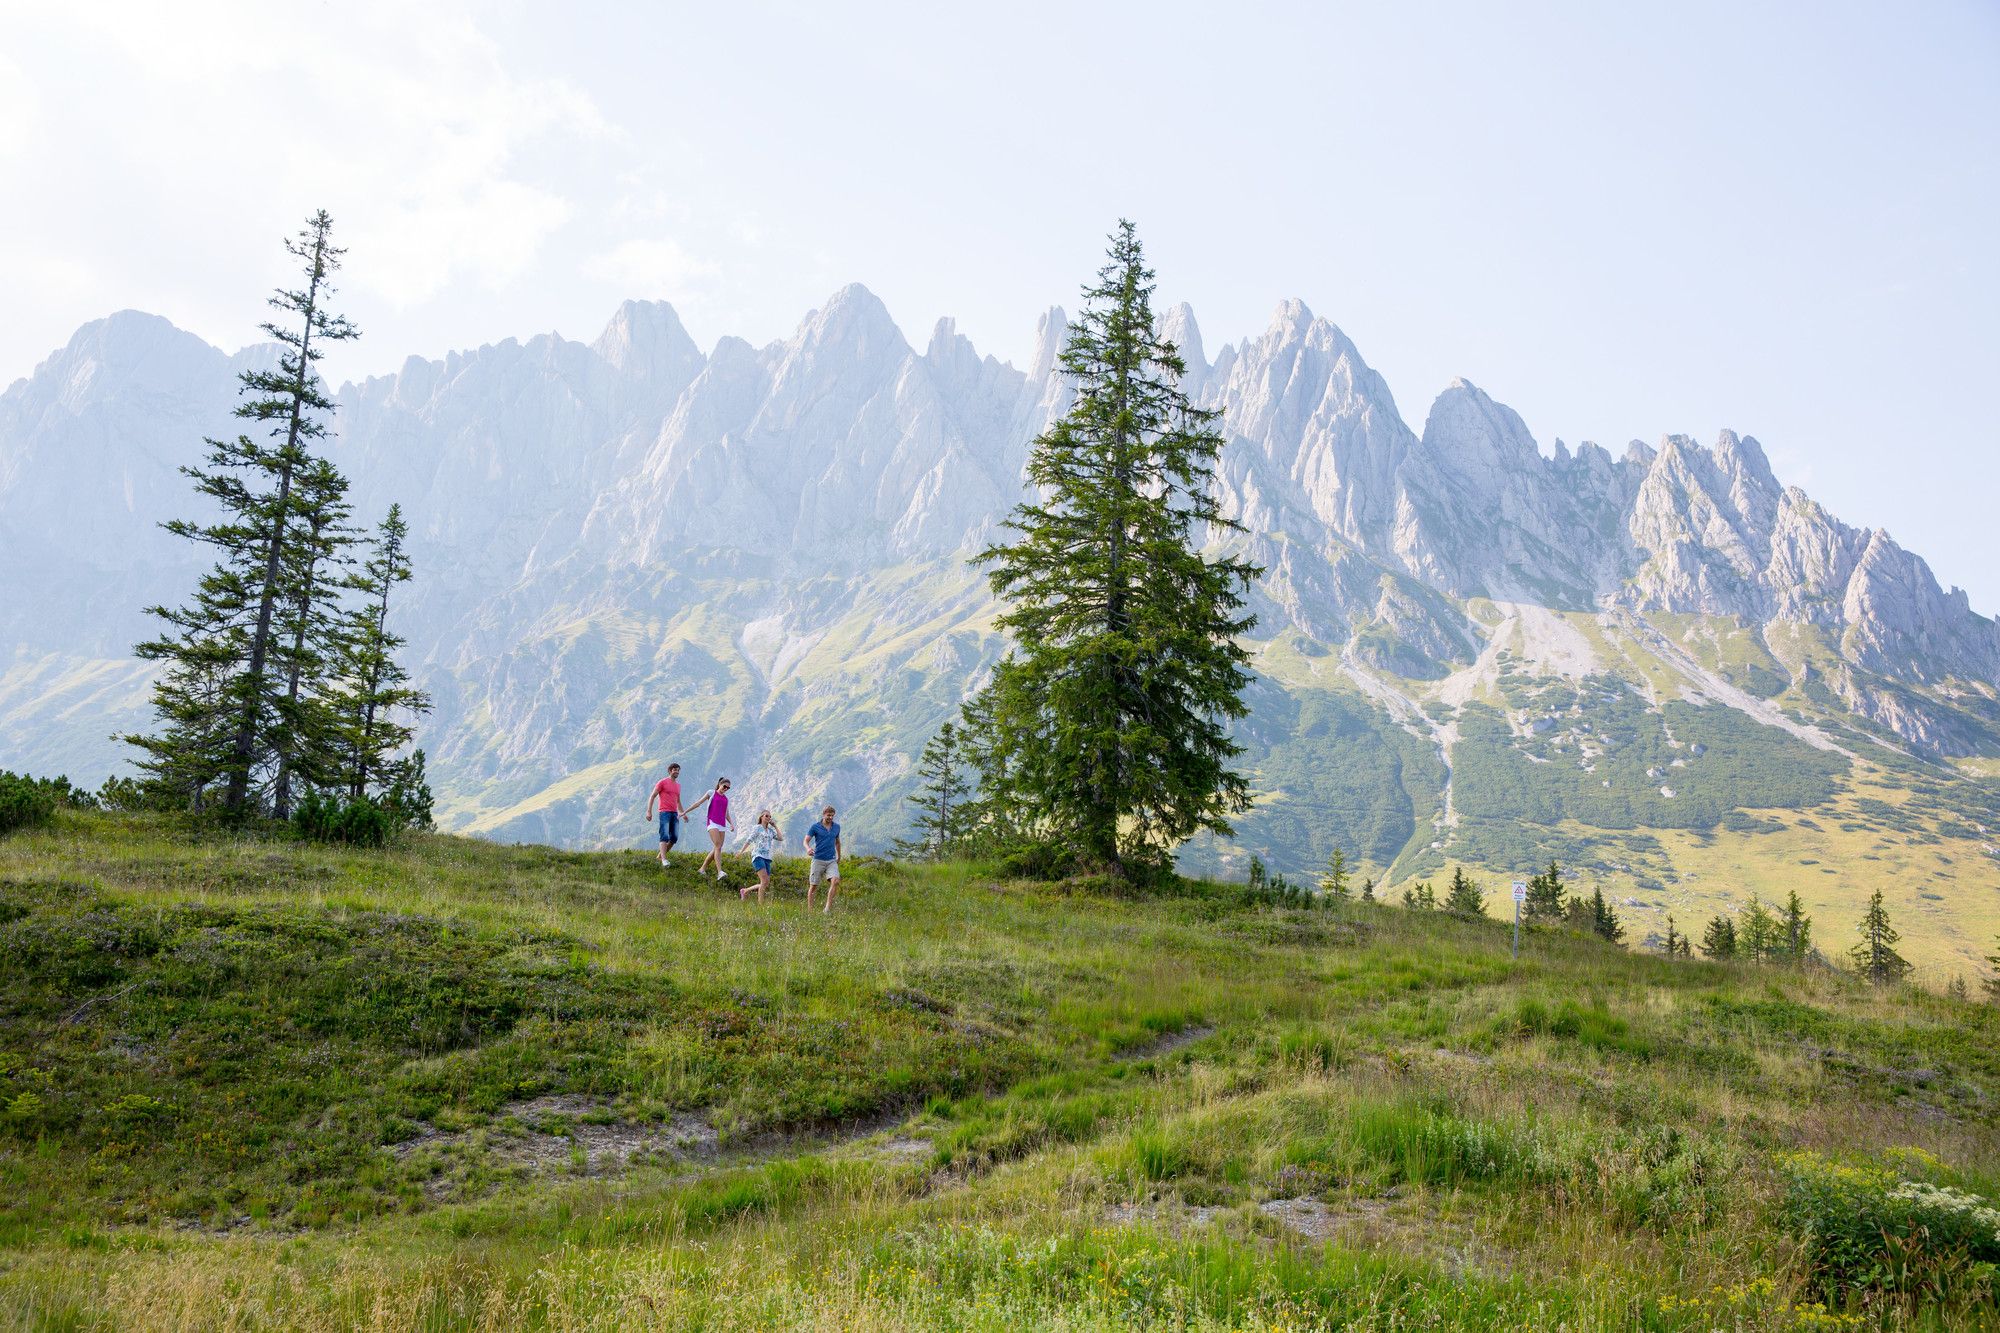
(763, 839)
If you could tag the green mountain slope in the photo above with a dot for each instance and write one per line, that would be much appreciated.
(460, 1085)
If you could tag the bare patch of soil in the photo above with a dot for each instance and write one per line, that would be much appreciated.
(1167, 1043)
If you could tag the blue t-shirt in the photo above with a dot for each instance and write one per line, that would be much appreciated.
(824, 839)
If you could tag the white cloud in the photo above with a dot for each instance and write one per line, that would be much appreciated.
(402, 120)
(651, 266)
(18, 108)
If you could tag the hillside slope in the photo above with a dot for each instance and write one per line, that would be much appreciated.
(458, 1085)
(1663, 666)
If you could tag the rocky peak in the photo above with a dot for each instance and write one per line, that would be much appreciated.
(645, 339)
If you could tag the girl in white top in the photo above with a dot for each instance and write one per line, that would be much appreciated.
(720, 822)
(763, 839)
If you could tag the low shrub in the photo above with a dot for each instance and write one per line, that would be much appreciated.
(26, 802)
(1868, 1227)
(359, 823)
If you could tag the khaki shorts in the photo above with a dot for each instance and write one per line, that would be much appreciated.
(827, 870)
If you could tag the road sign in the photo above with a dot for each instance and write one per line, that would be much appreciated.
(1520, 890)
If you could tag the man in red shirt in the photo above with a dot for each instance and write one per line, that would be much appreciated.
(666, 798)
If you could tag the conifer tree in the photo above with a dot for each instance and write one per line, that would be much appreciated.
(1719, 940)
(1875, 957)
(1604, 919)
(1677, 943)
(1545, 896)
(1759, 937)
(372, 695)
(221, 680)
(1333, 883)
(1368, 889)
(306, 738)
(937, 828)
(1991, 985)
(1464, 898)
(1794, 931)
(1126, 669)
(1956, 988)
(1421, 896)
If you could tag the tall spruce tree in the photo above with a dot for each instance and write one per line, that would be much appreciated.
(1368, 889)
(1875, 957)
(1545, 896)
(1719, 940)
(221, 698)
(1333, 883)
(371, 694)
(1991, 985)
(1795, 944)
(1126, 670)
(937, 829)
(1464, 898)
(309, 622)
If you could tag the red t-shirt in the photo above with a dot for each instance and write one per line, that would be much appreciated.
(669, 793)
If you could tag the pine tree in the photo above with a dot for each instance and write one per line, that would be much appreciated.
(1875, 957)
(1759, 938)
(938, 828)
(1545, 896)
(306, 738)
(1333, 884)
(373, 694)
(1677, 943)
(1127, 665)
(1603, 919)
(1464, 898)
(1719, 940)
(1957, 989)
(1991, 985)
(221, 697)
(1421, 896)
(1258, 881)
(1368, 889)
(1794, 932)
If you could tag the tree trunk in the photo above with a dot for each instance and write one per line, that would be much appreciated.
(246, 729)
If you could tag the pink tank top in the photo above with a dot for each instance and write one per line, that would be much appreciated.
(718, 808)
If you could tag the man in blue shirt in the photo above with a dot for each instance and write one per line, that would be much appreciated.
(823, 843)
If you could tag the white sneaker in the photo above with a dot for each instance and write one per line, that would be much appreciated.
(719, 877)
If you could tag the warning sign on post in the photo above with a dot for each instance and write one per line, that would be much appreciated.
(1520, 890)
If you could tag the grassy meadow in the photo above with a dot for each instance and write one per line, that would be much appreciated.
(251, 1083)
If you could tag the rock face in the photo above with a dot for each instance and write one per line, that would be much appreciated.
(754, 558)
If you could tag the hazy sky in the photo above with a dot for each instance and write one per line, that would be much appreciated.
(1622, 220)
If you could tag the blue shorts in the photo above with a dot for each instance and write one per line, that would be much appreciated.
(760, 863)
(670, 827)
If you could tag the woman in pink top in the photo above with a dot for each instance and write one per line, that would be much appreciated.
(720, 824)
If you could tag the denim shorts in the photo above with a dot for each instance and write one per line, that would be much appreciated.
(670, 827)
(760, 863)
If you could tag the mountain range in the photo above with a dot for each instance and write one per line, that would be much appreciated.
(1682, 678)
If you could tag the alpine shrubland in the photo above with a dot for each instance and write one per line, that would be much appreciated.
(256, 1080)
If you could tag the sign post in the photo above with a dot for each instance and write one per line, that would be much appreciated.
(1520, 896)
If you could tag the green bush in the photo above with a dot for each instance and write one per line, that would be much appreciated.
(25, 802)
(1870, 1228)
(359, 823)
